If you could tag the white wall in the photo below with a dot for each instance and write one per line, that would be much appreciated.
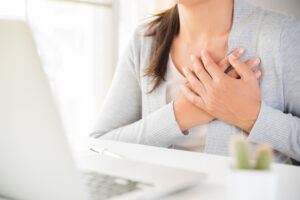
(13, 9)
(75, 42)
(130, 14)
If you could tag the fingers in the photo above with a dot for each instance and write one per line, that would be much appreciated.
(224, 64)
(241, 68)
(254, 62)
(257, 74)
(192, 97)
(208, 69)
(199, 70)
(185, 82)
(211, 67)
(196, 84)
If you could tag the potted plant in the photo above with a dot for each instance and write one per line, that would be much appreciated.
(251, 179)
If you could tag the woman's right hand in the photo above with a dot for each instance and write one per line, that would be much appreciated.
(187, 114)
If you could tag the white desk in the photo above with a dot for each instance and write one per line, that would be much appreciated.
(214, 166)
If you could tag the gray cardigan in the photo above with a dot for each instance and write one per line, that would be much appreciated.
(130, 114)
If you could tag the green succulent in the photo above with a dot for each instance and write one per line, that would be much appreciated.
(240, 151)
(264, 157)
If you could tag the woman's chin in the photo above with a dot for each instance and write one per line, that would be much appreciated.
(191, 2)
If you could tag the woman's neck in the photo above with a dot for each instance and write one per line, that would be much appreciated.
(205, 20)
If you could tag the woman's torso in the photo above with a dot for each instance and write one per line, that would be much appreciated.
(258, 31)
(195, 140)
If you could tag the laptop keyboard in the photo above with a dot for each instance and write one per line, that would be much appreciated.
(102, 186)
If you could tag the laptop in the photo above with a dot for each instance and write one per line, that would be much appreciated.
(35, 160)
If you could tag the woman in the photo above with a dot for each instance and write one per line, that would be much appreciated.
(184, 47)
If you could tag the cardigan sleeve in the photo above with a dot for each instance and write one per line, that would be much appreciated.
(120, 116)
(282, 129)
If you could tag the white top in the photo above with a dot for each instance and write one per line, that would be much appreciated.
(195, 140)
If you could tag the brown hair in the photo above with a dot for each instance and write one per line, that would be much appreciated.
(164, 27)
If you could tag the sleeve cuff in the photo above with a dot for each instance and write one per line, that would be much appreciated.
(168, 133)
(269, 127)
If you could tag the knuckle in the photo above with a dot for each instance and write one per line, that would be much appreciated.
(209, 63)
(217, 88)
(250, 77)
(214, 93)
(211, 89)
(219, 80)
(197, 63)
(198, 71)
(189, 78)
(188, 75)
(198, 102)
(194, 100)
(194, 84)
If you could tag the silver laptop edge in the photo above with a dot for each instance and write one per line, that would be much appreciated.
(36, 163)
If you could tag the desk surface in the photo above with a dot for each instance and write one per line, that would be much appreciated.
(216, 167)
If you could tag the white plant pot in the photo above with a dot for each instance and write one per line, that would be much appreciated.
(251, 185)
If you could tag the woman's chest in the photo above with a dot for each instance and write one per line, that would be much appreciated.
(181, 51)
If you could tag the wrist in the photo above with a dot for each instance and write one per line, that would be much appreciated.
(248, 124)
(179, 115)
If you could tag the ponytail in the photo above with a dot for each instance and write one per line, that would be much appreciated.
(163, 28)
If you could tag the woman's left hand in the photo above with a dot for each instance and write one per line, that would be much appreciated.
(235, 101)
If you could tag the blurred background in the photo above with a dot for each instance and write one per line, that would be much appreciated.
(80, 41)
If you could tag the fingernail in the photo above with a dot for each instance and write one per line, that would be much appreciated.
(202, 52)
(232, 57)
(256, 62)
(258, 74)
(241, 51)
(184, 69)
(192, 56)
